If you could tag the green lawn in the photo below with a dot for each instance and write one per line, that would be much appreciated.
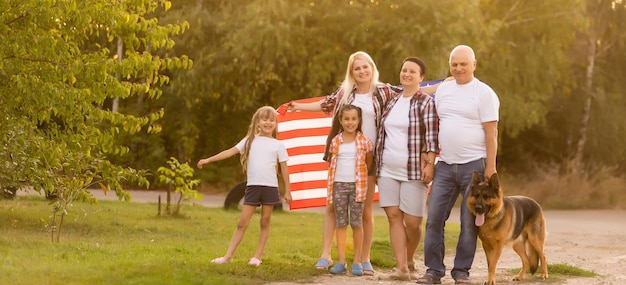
(116, 242)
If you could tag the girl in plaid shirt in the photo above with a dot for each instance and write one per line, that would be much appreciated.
(361, 87)
(350, 157)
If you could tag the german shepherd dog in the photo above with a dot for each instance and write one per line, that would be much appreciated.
(517, 221)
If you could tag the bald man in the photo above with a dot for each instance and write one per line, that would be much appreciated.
(468, 137)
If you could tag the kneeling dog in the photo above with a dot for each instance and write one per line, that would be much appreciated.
(514, 220)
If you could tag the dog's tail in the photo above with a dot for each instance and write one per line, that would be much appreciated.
(536, 251)
(533, 258)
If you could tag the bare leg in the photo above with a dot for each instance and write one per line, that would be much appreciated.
(368, 219)
(397, 233)
(266, 215)
(413, 235)
(357, 237)
(246, 214)
(341, 244)
(328, 230)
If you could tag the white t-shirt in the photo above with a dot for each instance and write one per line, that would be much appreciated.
(462, 109)
(346, 163)
(262, 160)
(396, 149)
(368, 126)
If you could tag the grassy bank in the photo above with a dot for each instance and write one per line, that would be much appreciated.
(115, 242)
(126, 243)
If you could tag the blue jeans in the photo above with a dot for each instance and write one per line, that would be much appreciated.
(451, 180)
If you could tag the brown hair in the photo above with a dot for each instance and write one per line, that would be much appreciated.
(348, 108)
(418, 61)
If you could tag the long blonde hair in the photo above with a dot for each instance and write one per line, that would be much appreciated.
(254, 130)
(349, 82)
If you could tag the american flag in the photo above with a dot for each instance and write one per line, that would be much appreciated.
(304, 135)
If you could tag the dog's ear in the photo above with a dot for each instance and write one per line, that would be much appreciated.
(475, 178)
(494, 180)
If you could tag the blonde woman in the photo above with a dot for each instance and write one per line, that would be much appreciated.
(361, 88)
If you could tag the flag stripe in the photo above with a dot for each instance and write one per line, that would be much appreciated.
(304, 123)
(307, 203)
(308, 176)
(304, 132)
(304, 141)
(320, 166)
(316, 152)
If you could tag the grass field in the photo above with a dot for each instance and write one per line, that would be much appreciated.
(115, 242)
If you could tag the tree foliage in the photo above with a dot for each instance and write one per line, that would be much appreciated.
(255, 52)
(58, 69)
(179, 175)
(59, 73)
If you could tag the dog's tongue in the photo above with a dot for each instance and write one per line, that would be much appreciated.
(480, 220)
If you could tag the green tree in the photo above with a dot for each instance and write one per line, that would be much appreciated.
(583, 128)
(525, 55)
(526, 59)
(58, 69)
(268, 52)
(179, 175)
(602, 125)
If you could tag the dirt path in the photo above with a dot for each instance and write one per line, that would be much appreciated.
(591, 240)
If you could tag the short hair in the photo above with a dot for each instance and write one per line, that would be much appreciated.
(418, 61)
(463, 47)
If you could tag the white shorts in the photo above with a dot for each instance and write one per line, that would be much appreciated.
(409, 196)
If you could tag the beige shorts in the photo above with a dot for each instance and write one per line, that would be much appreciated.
(409, 196)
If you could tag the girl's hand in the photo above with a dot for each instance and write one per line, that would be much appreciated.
(202, 162)
(288, 197)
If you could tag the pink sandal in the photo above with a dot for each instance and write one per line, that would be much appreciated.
(254, 261)
(220, 260)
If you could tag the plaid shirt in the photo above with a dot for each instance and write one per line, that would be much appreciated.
(423, 129)
(384, 92)
(331, 103)
(363, 146)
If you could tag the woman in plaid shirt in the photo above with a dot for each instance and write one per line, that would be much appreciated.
(409, 126)
(361, 87)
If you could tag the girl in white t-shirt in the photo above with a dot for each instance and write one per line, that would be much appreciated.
(260, 152)
(350, 158)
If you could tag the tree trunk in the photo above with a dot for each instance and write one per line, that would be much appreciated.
(582, 136)
(120, 53)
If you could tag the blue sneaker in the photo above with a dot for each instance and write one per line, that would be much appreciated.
(339, 268)
(357, 270)
(323, 264)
